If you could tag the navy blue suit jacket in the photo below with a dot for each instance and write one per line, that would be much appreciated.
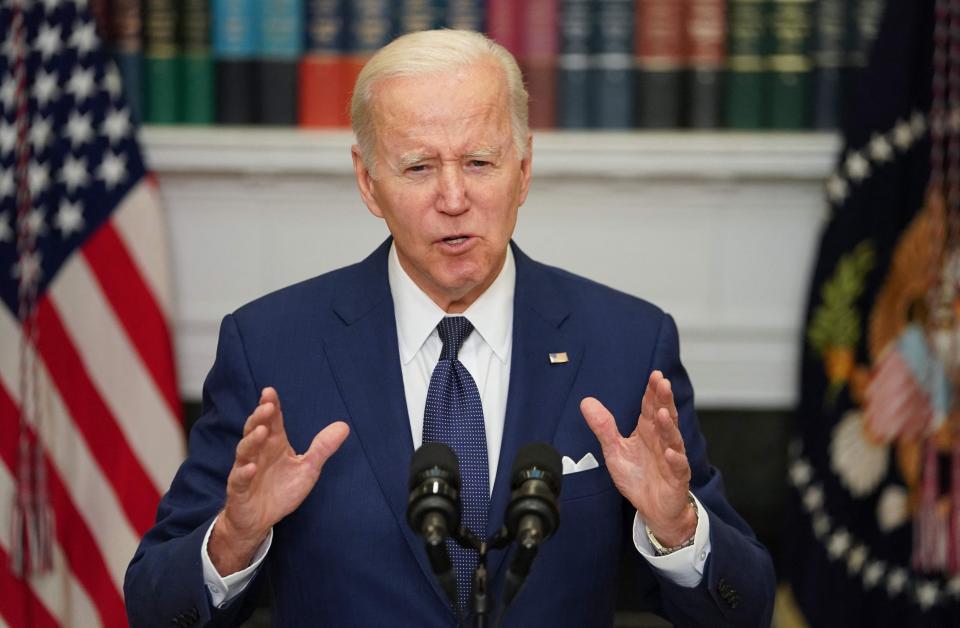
(346, 556)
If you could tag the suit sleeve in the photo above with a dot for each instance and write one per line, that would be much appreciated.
(164, 583)
(738, 585)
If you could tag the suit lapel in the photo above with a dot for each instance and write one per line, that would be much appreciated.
(365, 360)
(538, 389)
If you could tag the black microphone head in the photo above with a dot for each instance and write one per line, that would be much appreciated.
(537, 461)
(434, 459)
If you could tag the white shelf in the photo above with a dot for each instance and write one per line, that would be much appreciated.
(622, 155)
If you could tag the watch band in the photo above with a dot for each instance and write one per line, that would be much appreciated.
(659, 548)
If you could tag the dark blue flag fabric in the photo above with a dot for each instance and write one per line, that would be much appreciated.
(874, 514)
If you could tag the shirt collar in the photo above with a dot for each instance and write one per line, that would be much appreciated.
(417, 315)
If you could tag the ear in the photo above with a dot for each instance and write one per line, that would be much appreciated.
(526, 170)
(365, 182)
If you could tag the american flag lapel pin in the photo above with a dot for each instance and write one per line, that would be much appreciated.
(558, 358)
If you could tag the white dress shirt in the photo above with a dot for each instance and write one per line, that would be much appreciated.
(486, 356)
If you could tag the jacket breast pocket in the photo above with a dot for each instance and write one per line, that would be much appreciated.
(585, 483)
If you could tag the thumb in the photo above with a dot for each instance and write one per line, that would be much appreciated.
(600, 422)
(326, 443)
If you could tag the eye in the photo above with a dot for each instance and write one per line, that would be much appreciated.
(478, 163)
(417, 168)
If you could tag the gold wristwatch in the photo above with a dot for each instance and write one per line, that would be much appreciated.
(660, 548)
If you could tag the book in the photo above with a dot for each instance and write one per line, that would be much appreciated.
(827, 56)
(573, 76)
(235, 47)
(789, 67)
(705, 30)
(196, 64)
(420, 15)
(661, 54)
(324, 92)
(161, 66)
(466, 15)
(281, 45)
(611, 65)
(126, 35)
(744, 93)
(504, 24)
(538, 60)
(370, 27)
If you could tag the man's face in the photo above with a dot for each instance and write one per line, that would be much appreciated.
(447, 178)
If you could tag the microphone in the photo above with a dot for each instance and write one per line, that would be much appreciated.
(533, 514)
(433, 508)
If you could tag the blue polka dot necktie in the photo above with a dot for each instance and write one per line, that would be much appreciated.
(454, 416)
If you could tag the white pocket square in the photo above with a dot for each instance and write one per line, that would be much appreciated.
(586, 463)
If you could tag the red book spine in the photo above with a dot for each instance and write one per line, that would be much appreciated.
(504, 23)
(538, 60)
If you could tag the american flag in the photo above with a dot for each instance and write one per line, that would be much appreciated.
(90, 428)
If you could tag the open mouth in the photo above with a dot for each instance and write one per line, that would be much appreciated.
(454, 240)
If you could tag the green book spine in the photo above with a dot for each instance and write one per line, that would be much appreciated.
(744, 101)
(198, 98)
(161, 69)
(789, 65)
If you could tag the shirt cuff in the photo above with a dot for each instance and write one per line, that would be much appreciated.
(684, 566)
(224, 588)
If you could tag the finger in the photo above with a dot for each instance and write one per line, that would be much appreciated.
(668, 431)
(664, 397)
(269, 395)
(678, 465)
(267, 414)
(601, 423)
(251, 444)
(240, 478)
(648, 405)
(326, 443)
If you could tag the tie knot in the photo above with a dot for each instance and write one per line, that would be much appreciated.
(453, 331)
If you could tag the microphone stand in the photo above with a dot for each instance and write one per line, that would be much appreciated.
(481, 601)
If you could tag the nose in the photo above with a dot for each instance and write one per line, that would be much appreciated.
(452, 197)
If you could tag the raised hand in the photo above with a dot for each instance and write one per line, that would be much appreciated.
(649, 467)
(268, 481)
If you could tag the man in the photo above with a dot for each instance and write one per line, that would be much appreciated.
(444, 157)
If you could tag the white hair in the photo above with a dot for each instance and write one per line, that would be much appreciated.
(435, 52)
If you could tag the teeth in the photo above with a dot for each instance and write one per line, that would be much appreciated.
(455, 240)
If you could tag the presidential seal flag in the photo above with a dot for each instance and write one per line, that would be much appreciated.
(875, 470)
(90, 429)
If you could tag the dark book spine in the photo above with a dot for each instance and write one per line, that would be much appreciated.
(126, 33)
(370, 26)
(324, 92)
(466, 15)
(196, 63)
(789, 77)
(161, 67)
(573, 75)
(863, 21)
(661, 53)
(612, 65)
(539, 60)
(281, 44)
(744, 103)
(706, 35)
(420, 15)
(828, 59)
(235, 48)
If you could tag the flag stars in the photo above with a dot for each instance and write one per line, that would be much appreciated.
(117, 125)
(918, 124)
(112, 170)
(821, 525)
(28, 268)
(8, 93)
(873, 573)
(48, 41)
(35, 223)
(74, 173)
(38, 178)
(896, 580)
(45, 87)
(902, 135)
(927, 594)
(7, 188)
(813, 498)
(800, 473)
(837, 189)
(880, 149)
(79, 128)
(81, 84)
(111, 81)
(84, 37)
(839, 543)
(856, 166)
(40, 132)
(51, 5)
(69, 219)
(856, 558)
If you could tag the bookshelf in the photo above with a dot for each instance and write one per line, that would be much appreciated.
(719, 229)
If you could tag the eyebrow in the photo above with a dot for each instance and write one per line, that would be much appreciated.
(483, 153)
(412, 159)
